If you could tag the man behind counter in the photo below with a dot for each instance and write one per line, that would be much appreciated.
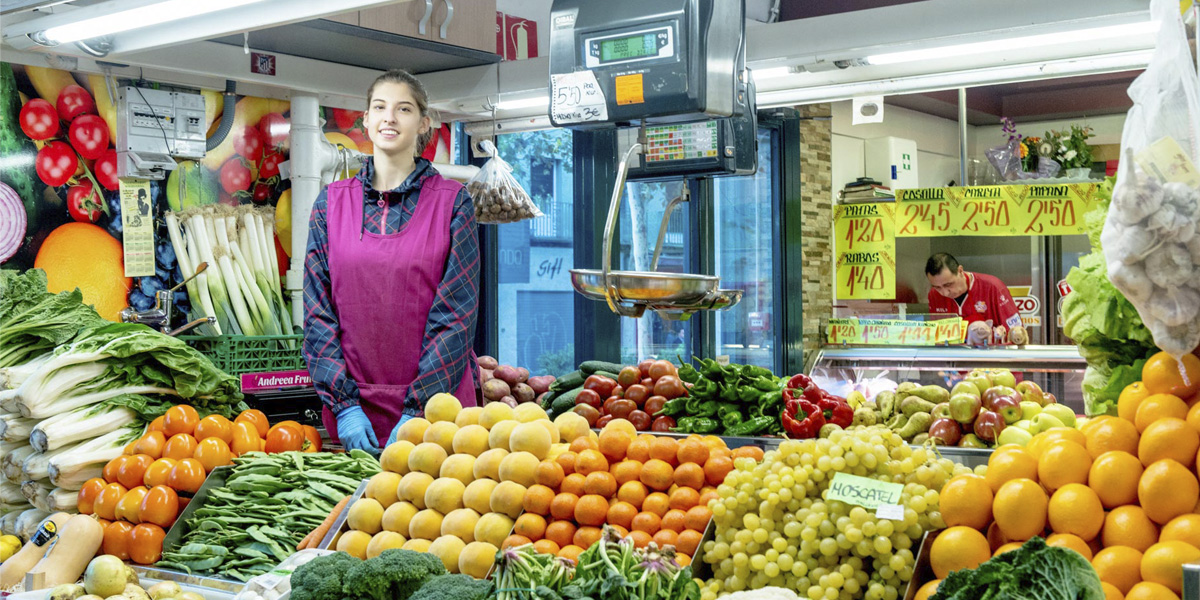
(980, 299)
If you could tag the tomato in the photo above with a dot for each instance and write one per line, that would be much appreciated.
(269, 167)
(648, 383)
(312, 439)
(87, 494)
(662, 368)
(187, 476)
(640, 420)
(56, 163)
(213, 452)
(644, 368)
(588, 412)
(654, 404)
(262, 193)
(274, 129)
(145, 544)
(669, 387)
(235, 176)
(663, 423)
(89, 136)
(603, 420)
(590, 398)
(152, 444)
(284, 438)
(629, 376)
(105, 170)
(39, 120)
(245, 438)
(618, 392)
(83, 203)
(601, 384)
(159, 472)
(345, 119)
(160, 506)
(181, 418)
(110, 469)
(130, 506)
(180, 446)
(608, 404)
(622, 408)
(132, 471)
(256, 418)
(289, 423)
(74, 101)
(638, 393)
(248, 143)
(214, 426)
(116, 539)
(106, 501)
(158, 424)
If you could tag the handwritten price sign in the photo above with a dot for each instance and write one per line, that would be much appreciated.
(865, 227)
(890, 332)
(1018, 210)
(863, 275)
(577, 98)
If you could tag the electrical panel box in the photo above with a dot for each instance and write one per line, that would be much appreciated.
(154, 127)
(892, 161)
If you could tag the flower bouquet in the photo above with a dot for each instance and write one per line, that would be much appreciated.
(1022, 158)
(1070, 148)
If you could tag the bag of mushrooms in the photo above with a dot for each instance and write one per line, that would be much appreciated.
(497, 195)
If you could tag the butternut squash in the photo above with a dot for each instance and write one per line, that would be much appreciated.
(78, 541)
(13, 570)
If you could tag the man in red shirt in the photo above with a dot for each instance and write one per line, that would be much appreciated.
(980, 299)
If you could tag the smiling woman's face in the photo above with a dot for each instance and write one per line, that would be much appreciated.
(393, 119)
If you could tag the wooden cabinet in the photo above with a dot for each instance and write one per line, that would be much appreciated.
(465, 23)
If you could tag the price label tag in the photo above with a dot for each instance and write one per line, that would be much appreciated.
(1014, 210)
(864, 492)
(1167, 161)
(577, 98)
(893, 512)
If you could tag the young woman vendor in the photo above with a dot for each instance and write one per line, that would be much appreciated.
(391, 282)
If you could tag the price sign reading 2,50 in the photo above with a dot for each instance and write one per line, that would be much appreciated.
(1052, 213)
(935, 216)
(986, 213)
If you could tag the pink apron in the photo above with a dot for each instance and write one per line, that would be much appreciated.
(382, 288)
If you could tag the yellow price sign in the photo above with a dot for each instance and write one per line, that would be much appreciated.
(894, 332)
(1001, 210)
(865, 227)
(866, 275)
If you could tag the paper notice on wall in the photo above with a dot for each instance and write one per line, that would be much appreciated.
(577, 98)
(137, 219)
(867, 109)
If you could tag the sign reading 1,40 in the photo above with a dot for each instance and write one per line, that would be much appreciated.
(864, 278)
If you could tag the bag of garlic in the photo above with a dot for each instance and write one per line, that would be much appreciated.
(1151, 236)
(498, 197)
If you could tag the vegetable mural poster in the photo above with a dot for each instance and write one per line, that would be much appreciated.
(60, 207)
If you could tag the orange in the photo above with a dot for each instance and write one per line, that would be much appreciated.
(928, 590)
(84, 256)
(622, 514)
(690, 475)
(1119, 565)
(1159, 406)
(614, 443)
(692, 451)
(586, 536)
(675, 520)
(682, 559)
(538, 499)
(531, 526)
(641, 539)
(967, 500)
(1130, 398)
(1163, 563)
(514, 540)
(1169, 438)
(567, 460)
(958, 548)
(1111, 592)
(549, 473)
(633, 492)
(665, 449)
(638, 450)
(1042, 440)
(1111, 434)
(1162, 374)
(1073, 542)
(1114, 476)
(716, 469)
(1148, 590)
(996, 538)
(1129, 526)
(573, 484)
(1020, 508)
(647, 522)
(1184, 528)
(1166, 490)
(714, 442)
(698, 518)
(621, 531)
(688, 541)
(591, 510)
(1193, 416)
(570, 552)
(563, 506)
(665, 537)
(546, 547)
(561, 533)
(684, 498)
(590, 461)
(582, 443)
(658, 474)
(1063, 462)
(626, 471)
(1076, 509)
(749, 452)
(600, 483)
(708, 494)
(1014, 463)
(657, 503)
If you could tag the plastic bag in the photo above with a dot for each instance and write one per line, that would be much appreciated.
(1007, 160)
(497, 195)
(1151, 236)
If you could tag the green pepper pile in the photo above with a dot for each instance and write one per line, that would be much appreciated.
(733, 400)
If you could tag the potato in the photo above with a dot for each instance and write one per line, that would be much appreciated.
(495, 389)
(487, 362)
(523, 393)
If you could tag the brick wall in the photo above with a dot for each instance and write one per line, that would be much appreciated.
(816, 149)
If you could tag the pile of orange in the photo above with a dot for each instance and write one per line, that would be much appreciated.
(649, 488)
(1121, 490)
(142, 492)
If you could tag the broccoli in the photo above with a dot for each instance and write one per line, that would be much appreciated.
(321, 578)
(453, 587)
(393, 575)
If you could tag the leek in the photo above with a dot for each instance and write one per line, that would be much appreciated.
(216, 285)
(10, 493)
(12, 461)
(73, 465)
(37, 465)
(63, 500)
(80, 424)
(12, 377)
(14, 428)
(38, 494)
(201, 300)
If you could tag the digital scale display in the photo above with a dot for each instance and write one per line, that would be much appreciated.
(681, 142)
(635, 46)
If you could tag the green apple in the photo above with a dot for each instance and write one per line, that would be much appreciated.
(965, 387)
(979, 379)
(1025, 424)
(1014, 435)
(1003, 377)
(1062, 412)
(1043, 421)
(1029, 409)
(971, 440)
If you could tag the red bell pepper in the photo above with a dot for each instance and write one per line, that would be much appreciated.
(836, 410)
(801, 418)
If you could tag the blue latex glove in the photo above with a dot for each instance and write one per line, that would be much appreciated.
(396, 430)
(355, 431)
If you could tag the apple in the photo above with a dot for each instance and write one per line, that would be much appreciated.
(1062, 411)
(988, 425)
(941, 411)
(1044, 421)
(971, 440)
(1030, 391)
(965, 407)
(979, 379)
(990, 395)
(1008, 407)
(1049, 398)
(1025, 424)
(1029, 409)
(1003, 377)
(1013, 435)
(945, 431)
(965, 387)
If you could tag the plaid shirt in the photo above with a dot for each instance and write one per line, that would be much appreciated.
(450, 329)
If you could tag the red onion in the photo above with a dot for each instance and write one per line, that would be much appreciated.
(12, 222)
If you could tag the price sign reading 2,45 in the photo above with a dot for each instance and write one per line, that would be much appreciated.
(925, 218)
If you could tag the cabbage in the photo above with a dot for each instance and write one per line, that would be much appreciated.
(1033, 572)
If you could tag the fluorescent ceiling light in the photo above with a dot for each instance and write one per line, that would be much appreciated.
(520, 103)
(137, 18)
(1008, 44)
(771, 73)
